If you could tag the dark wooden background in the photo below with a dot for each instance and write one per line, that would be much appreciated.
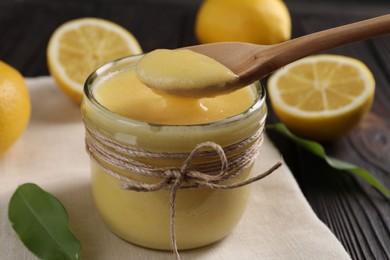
(356, 213)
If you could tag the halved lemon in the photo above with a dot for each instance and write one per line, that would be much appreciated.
(79, 46)
(322, 97)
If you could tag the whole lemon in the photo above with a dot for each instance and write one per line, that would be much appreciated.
(15, 107)
(254, 21)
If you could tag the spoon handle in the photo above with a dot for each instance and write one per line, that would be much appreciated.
(298, 48)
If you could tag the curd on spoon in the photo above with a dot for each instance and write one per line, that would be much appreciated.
(183, 73)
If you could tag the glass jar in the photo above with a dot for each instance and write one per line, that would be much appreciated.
(202, 215)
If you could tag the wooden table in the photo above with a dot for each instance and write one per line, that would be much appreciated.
(356, 213)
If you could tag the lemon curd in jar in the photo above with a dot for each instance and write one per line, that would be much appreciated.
(120, 107)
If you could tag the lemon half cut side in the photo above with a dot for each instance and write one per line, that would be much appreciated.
(322, 97)
(78, 47)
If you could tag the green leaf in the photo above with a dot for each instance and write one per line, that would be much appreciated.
(319, 150)
(41, 222)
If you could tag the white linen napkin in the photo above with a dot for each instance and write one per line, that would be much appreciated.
(278, 224)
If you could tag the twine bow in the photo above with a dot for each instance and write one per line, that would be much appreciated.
(190, 175)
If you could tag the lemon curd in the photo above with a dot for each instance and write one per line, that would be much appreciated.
(120, 107)
(183, 72)
(136, 101)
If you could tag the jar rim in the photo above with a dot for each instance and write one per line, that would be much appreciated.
(121, 63)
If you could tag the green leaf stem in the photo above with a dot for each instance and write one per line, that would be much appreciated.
(319, 150)
(41, 222)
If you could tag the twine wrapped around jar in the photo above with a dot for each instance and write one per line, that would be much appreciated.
(222, 164)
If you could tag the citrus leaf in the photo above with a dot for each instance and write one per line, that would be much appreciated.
(41, 222)
(319, 150)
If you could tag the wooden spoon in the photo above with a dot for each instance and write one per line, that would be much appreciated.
(252, 62)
